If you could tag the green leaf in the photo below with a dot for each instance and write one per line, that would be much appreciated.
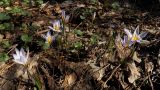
(82, 17)
(46, 46)
(78, 45)
(2, 27)
(6, 44)
(78, 32)
(6, 26)
(3, 57)
(26, 38)
(4, 16)
(115, 5)
(18, 11)
(93, 39)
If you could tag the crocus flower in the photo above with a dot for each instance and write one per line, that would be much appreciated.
(125, 41)
(48, 37)
(56, 26)
(21, 56)
(122, 46)
(135, 37)
(65, 17)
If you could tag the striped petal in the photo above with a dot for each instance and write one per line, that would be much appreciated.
(143, 34)
(129, 34)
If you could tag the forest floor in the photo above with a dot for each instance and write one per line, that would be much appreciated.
(87, 53)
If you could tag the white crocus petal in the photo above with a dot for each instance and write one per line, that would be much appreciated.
(137, 29)
(129, 34)
(22, 53)
(136, 32)
(15, 56)
(143, 34)
(27, 54)
(51, 28)
(17, 52)
(18, 61)
(48, 33)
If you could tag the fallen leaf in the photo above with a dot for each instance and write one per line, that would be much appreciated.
(69, 80)
(149, 67)
(134, 72)
(135, 57)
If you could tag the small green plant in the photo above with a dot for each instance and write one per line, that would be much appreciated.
(93, 1)
(78, 45)
(18, 11)
(85, 13)
(78, 32)
(26, 38)
(115, 5)
(5, 2)
(46, 46)
(6, 44)
(93, 39)
(4, 57)
(4, 16)
(33, 3)
(6, 26)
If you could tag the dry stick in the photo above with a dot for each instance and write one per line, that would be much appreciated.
(77, 26)
(111, 74)
(150, 81)
(12, 47)
(40, 32)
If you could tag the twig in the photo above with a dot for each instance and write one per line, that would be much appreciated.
(150, 81)
(111, 74)
(12, 47)
(40, 32)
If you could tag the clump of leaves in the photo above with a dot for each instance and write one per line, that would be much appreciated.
(26, 38)
(5, 2)
(33, 3)
(4, 16)
(94, 39)
(46, 46)
(115, 5)
(6, 26)
(86, 12)
(6, 44)
(18, 11)
(78, 45)
(4, 57)
(78, 32)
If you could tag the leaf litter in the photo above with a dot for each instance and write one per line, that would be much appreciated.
(88, 54)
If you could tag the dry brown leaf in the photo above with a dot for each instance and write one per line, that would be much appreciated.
(99, 74)
(134, 75)
(69, 80)
(135, 57)
(149, 67)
